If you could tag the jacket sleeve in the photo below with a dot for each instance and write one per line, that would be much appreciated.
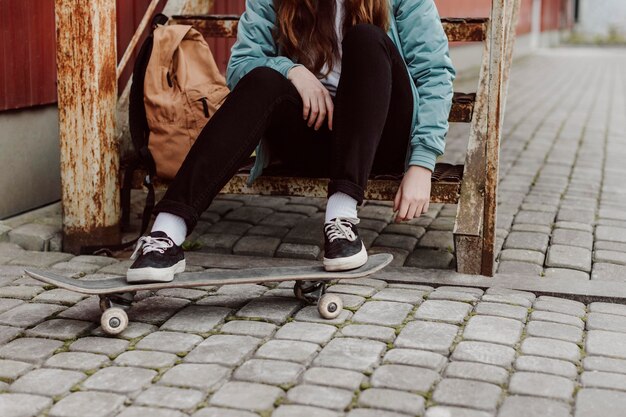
(425, 48)
(255, 46)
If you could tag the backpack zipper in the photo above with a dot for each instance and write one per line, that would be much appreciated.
(205, 106)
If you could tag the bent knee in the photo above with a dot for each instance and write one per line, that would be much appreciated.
(362, 34)
(264, 76)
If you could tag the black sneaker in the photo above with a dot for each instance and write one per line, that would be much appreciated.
(157, 259)
(343, 248)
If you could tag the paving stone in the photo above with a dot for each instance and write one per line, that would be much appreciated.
(196, 319)
(521, 268)
(507, 299)
(576, 215)
(145, 359)
(557, 318)
(33, 236)
(447, 293)
(187, 293)
(26, 315)
(370, 412)
(477, 372)
(218, 243)
(437, 337)
(48, 382)
(612, 234)
(600, 342)
(225, 350)
(585, 227)
(283, 219)
(203, 377)
(592, 402)
(404, 229)
(59, 295)
(608, 272)
(445, 411)
(172, 342)
(551, 348)
(340, 378)
(414, 357)
(353, 354)
(60, 329)
(438, 240)
(430, 259)
(385, 399)
(396, 241)
(29, 349)
(360, 290)
(133, 331)
(156, 310)
(400, 295)
(122, 380)
(384, 313)
(292, 410)
(601, 363)
(318, 396)
(222, 412)
(246, 396)
(79, 361)
(310, 314)
(75, 268)
(9, 303)
(149, 411)
(546, 365)
(608, 308)
(406, 378)
(306, 332)
(250, 328)
(96, 404)
(40, 259)
(222, 207)
(178, 398)
(288, 350)
(541, 385)
(274, 309)
(10, 370)
(609, 256)
(523, 406)
(481, 352)
(445, 311)
(298, 251)
(252, 215)
(606, 380)
(22, 405)
(614, 246)
(527, 240)
(8, 333)
(368, 331)
(535, 228)
(466, 393)
(555, 331)
(511, 293)
(572, 238)
(566, 274)
(502, 310)
(256, 246)
(22, 292)
(522, 255)
(307, 232)
(534, 217)
(493, 329)
(103, 345)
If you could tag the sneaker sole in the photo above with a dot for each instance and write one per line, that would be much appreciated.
(155, 274)
(344, 264)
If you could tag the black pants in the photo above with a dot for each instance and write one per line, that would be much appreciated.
(371, 127)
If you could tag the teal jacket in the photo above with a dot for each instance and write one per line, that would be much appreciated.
(415, 29)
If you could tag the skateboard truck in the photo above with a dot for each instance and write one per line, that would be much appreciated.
(314, 292)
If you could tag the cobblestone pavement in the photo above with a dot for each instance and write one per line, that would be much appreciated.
(399, 349)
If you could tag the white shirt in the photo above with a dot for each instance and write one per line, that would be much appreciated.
(332, 79)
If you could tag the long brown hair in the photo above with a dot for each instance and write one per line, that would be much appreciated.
(305, 29)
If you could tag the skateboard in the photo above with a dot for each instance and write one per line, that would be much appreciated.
(116, 295)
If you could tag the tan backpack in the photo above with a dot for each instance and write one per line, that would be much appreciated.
(176, 89)
(183, 88)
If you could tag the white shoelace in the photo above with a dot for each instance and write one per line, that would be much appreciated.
(340, 229)
(151, 244)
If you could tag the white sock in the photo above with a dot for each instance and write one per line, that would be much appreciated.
(340, 205)
(172, 225)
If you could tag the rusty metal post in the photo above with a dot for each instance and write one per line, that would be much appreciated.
(87, 94)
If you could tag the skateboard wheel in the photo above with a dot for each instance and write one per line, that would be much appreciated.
(330, 306)
(114, 321)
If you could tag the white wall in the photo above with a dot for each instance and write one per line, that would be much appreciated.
(596, 17)
(29, 159)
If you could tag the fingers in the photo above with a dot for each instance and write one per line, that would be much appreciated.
(315, 109)
(329, 109)
(408, 209)
(426, 207)
(397, 199)
(322, 114)
(306, 106)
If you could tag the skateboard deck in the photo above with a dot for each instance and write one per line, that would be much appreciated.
(117, 285)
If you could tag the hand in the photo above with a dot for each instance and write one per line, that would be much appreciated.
(316, 100)
(413, 196)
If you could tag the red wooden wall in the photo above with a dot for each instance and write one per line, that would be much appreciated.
(27, 39)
